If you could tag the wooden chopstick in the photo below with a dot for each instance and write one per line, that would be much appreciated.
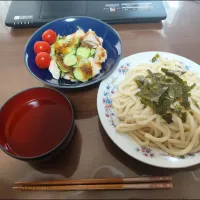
(96, 187)
(98, 181)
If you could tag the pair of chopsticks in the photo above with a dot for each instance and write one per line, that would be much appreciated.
(158, 182)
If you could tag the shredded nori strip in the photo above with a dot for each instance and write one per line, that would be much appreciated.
(161, 92)
(173, 75)
(155, 58)
(167, 117)
(195, 103)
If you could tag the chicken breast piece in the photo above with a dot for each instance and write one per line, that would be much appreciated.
(96, 67)
(54, 70)
(69, 77)
(80, 33)
(100, 55)
(91, 39)
(101, 40)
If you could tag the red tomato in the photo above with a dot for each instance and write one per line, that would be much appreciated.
(49, 36)
(41, 46)
(43, 60)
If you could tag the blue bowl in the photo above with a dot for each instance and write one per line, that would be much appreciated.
(65, 26)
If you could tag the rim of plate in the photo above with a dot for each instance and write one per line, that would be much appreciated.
(87, 83)
(181, 163)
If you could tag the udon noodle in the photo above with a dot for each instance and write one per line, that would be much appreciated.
(148, 128)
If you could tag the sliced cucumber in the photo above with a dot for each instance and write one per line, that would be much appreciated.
(77, 41)
(70, 60)
(82, 62)
(69, 50)
(78, 74)
(92, 52)
(83, 74)
(61, 66)
(60, 42)
(72, 40)
(83, 52)
(73, 50)
(65, 40)
(62, 74)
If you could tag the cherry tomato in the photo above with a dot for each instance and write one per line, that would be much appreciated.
(49, 36)
(43, 60)
(41, 46)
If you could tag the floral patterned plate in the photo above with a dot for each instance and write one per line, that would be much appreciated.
(108, 119)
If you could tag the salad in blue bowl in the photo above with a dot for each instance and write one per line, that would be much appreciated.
(73, 52)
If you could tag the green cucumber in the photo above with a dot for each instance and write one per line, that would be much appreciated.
(78, 74)
(77, 41)
(82, 62)
(61, 42)
(61, 66)
(73, 51)
(84, 52)
(70, 60)
(62, 74)
(65, 40)
(83, 73)
(92, 52)
(69, 50)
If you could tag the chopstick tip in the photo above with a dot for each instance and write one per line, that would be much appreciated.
(171, 185)
(15, 188)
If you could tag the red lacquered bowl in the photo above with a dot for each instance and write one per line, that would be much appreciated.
(36, 124)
